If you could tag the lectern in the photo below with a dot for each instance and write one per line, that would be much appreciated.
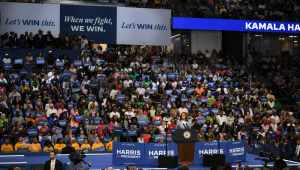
(185, 139)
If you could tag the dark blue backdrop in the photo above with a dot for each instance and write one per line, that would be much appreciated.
(101, 22)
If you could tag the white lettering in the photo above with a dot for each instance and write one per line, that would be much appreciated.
(282, 27)
(255, 26)
(248, 25)
(262, 26)
(297, 28)
(291, 27)
(81, 28)
(270, 26)
(275, 27)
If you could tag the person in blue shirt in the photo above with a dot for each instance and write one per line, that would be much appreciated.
(153, 63)
(55, 80)
(56, 136)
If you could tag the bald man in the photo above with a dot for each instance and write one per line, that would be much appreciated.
(110, 168)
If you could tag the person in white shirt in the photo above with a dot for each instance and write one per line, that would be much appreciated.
(84, 82)
(221, 118)
(114, 113)
(51, 110)
(134, 63)
(183, 109)
(6, 60)
(140, 90)
(130, 113)
(84, 41)
(51, 74)
(161, 76)
(122, 56)
(275, 117)
(113, 92)
(126, 83)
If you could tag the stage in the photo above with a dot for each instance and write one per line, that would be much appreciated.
(104, 160)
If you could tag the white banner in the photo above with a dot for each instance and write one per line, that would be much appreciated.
(21, 17)
(139, 26)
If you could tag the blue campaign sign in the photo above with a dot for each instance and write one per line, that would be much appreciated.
(97, 121)
(40, 61)
(151, 91)
(173, 130)
(128, 153)
(235, 25)
(41, 122)
(38, 114)
(99, 22)
(169, 92)
(18, 61)
(201, 121)
(107, 139)
(198, 77)
(93, 139)
(23, 72)
(67, 74)
(216, 111)
(132, 132)
(72, 128)
(234, 150)
(7, 66)
(137, 84)
(118, 130)
(102, 61)
(189, 79)
(205, 113)
(100, 148)
(78, 117)
(62, 123)
(178, 91)
(90, 97)
(87, 64)
(204, 100)
(22, 149)
(94, 85)
(77, 62)
(121, 97)
(153, 150)
(157, 137)
(171, 75)
(26, 139)
(16, 75)
(205, 148)
(144, 76)
(94, 59)
(157, 122)
(80, 139)
(184, 100)
(142, 122)
(185, 84)
(236, 112)
(86, 121)
(59, 63)
(256, 128)
(56, 127)
(190, 90)
(102, 78)
(264, 99)
(32, 132)
(70, 105)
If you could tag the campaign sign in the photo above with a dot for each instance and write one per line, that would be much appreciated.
(153, 150)
(62, 123)
(102, 78)
(56, 127)
(78, 117)
(70, 105)
(93, 139)
(169, 92)
(67, 74)
(201, 121)
(40, 61)
(157, 122)
(171, 75)
(72, 128)
(41, 122)
(22, 149)
(190, 91)
(205, 148)
(118, 130)
(80, 139)
(97, 121)
(132, 132)
(32, 132)
(87, 64)
(216, 111)
(28, 112)
(264, 99)
(18, 61)
(7, 66)
(205, 113)
(107, 139)
(90, 97)
(38, 114)
(234, 150)
(100, 148)
(77, 63)
(23, 72)
(121, 97)
(94, 85)
(128, 153)
(142, 122)
(26, 139)
(236, 112)
(59, 63)
(157, 137)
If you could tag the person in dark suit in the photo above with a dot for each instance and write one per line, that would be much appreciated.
(39, 40)
(183, 94)
(14, 42)
(53, 163)
(66, 41)
(68, 149)
(81, 74)
(241, 109)
(250, 110)
(296, 151)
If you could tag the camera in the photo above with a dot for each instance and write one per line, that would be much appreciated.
(78, 158)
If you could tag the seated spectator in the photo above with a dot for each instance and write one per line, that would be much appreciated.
(18, 118)
(97, 144)
(44, 132)
(59, 145)
(35, 146)
(85, 144)
(109, 145)
(56, 136)
(7, 147)
(74, 144)
(48, 147)
(18, 129)
(20, 144)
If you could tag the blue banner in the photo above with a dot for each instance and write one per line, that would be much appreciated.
(56, 127)
(7, 66)
(216, 111)
(41, 122)
(128, 153)
(118, 130)
(16, 75)
(201, 121)
(80, 140)
(94, 85)
(102, 78)
(97, 121)
(32, 132)
(205, 148)
(87, 64)
(72, 128)
(121, 97)
(38, 114)
(40, 61)
(236, 150)
(106, 139)
(153, 150)
(171, 75)
(67, 74)
(100, 148)
(77, 62)
(90, 97)
(70, 105)
(18, 61)
(157, 122)
(78, 117)
(62, 123)
(235, 25)
(142, 122)
(132, 132)
(59, 63)
(23, 72)
(99, 23)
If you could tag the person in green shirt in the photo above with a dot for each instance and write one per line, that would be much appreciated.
(3, 119)
(133, 75)
(277, 104)
(211, 99)
(146, 82)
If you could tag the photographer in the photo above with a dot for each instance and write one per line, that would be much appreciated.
(76, 162)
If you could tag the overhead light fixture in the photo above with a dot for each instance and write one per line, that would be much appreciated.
(175, 36)
(187, 45)
(291, 36)
(257, 35)
(295, 41)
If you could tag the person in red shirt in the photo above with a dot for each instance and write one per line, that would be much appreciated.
(146, 136)
(217, 102)
(172, 125)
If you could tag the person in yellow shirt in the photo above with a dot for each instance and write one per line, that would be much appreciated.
(85, 144)
(97, 144)
(23, 87)
(59, 145)
(75, 144)
(6, 147)
(48, 147)
(109, 146)
(20, 144)
(35, 146)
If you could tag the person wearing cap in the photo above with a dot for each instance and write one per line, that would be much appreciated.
(74, 144)
(69, 148)
(39, 40)
(6, 60)
(49, 40)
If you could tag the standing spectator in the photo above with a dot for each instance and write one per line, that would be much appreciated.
(6, 60)
(49, 40)
(50, 61)
(75, 44)
(84, 42)
(29, 61)
(39, 40)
